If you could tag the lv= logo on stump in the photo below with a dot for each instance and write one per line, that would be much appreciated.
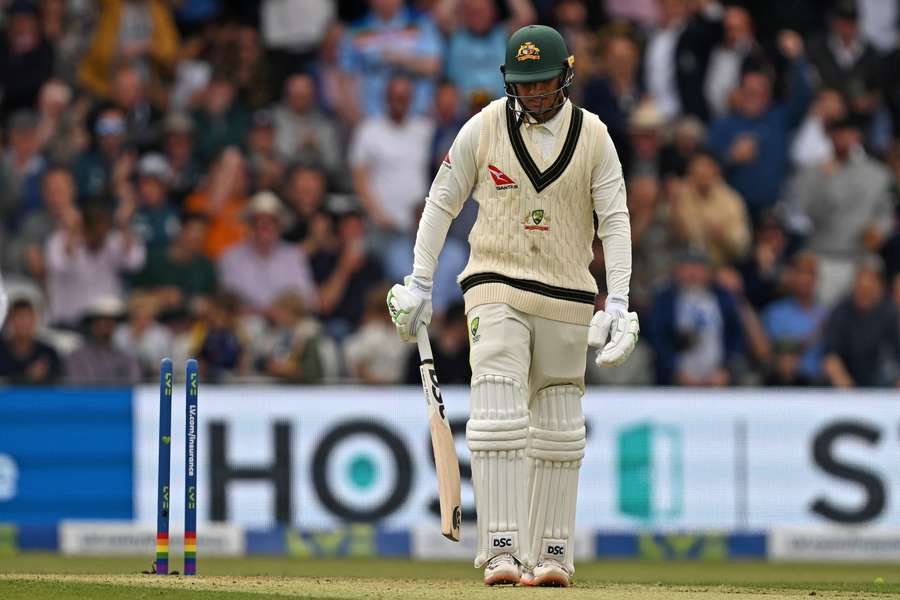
(192, 388)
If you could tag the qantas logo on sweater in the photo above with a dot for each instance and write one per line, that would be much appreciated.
(501, 179)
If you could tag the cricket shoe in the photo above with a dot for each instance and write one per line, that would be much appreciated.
(547, 573)
(502, 569)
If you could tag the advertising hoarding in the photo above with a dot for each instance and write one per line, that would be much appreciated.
(65, 453)
(663, 460)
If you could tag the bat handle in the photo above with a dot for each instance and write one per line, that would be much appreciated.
(424, 344)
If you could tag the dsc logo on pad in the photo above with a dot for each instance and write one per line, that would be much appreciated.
(503, 541)
(554, 549)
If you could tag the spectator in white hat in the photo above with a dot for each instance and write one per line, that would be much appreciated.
(263, 267)
(98, 361)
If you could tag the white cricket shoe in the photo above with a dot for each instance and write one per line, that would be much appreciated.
(502, 569)
(547, 573)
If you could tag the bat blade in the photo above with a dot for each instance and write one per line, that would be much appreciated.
(446, 463)
(447, 468)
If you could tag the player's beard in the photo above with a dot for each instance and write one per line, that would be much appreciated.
(543, 114)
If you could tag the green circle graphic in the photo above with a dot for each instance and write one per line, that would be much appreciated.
(362, 471)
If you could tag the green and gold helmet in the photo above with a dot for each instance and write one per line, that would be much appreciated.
(537, 53)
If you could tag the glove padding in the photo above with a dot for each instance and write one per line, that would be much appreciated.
(410, 306)
(621, 329)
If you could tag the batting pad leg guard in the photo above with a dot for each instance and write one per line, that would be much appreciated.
(555, 449)
(497, 433)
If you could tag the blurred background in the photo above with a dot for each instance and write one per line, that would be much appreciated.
(240, 181)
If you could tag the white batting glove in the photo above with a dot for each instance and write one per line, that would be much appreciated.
(615, 332)
(410, 306)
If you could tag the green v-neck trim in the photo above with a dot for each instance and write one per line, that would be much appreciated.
(541, 179)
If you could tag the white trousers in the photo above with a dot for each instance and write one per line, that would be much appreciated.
(536, 352)
(526, 432)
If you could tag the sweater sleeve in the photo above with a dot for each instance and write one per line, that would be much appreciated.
(613, 225)
(449, 191)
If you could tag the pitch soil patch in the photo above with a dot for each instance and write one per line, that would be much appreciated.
(114, 587)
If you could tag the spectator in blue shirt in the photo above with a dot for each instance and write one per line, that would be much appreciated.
(391, 38)
(614, 93)
(695, 327)
(477, 47)
(862, 340)
(446, 124)
(752, 142)
(398, 262)
(794, 325)
(22, 167)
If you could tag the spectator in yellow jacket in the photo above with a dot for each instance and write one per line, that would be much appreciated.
(138, 32)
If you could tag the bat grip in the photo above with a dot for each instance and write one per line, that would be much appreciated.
(424, 344)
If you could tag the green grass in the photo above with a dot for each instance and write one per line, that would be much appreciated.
(276, 566)
(45, 576)
(66, 590)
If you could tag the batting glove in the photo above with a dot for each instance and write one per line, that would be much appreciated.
(615, 332)
(410, 306)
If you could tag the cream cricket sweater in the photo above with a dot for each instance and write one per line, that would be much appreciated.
(538, 186)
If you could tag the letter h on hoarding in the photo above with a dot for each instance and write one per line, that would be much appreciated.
(222, 473)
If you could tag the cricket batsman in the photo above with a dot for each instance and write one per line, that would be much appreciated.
(540, 168)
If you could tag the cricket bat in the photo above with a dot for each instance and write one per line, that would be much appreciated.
(446, 464)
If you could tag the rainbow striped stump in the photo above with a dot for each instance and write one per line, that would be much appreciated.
(190, 553)
(162, 553)
(191, 427)
(164, 466)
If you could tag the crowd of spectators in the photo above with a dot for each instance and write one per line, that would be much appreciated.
(240, 181)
